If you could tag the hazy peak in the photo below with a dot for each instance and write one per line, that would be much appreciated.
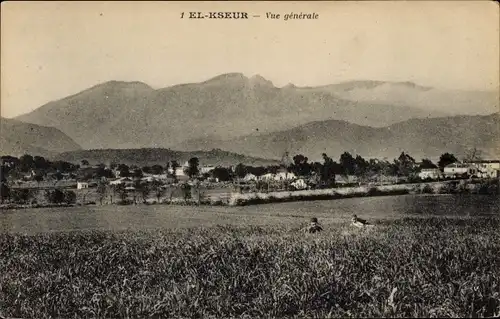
(259, 80)
(228, 77)
(124, 84)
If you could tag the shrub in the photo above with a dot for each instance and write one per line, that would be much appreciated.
(70, 197)
(427, 189)
(21, 196)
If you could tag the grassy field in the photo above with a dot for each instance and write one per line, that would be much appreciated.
(420, 267)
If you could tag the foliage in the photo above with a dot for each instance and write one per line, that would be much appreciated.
(69, 197)
(240, 170)
(186, 191)
(158, 189)
(405, 165)
(222, 173)
(327, 171)
(427, 164)
(446, 159)
(38, 178)
(124, 170)
(300, 166)
(144, 190)
(4, 191)
(58, 196)
(102, 191)
(156, 169)
(174, 165)
(21, 196)
(137, 173)
(193, 167)
(436, 267)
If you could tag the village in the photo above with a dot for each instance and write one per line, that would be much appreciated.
(33, 179)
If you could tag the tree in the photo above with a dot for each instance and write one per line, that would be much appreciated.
(405, 164)
(300, 165)
(84, 162)
(158, 189)
(472, 154)
(186, 191)
(62, 166)
(285, 162)
(137, 173)
(427, 164)
(222, 174)
(102, 191)
(361, 166)
(4, 191)
(192, 170)
(240, 170)
(55, 196)
(257, 171)
(156, 169)
(58, 176)
(144, 191)
(146, 170)
(69, 197)
(21, 195)
(26, 163)
(446, 159)
(328, 171)
(40, 163)
(124, 170)
(348, 163)
(120, 191)
(38, 178)
(174, 166)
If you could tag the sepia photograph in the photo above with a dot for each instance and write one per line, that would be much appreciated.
(238, 159)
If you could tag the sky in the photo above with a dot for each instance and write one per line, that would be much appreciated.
(50, 50)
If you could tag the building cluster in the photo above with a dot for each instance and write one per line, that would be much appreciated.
(479, 169)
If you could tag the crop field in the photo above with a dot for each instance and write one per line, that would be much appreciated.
(406, 266)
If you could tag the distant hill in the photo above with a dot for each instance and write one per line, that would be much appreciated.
(418, 137)
(18, 138)
(134, 115)
(151, 156)
(454, 102)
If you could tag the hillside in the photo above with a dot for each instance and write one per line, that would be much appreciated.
(151, 156)
(18, 138)
(133, 115)
(419, 137)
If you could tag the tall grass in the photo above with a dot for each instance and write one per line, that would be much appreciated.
(406, 268)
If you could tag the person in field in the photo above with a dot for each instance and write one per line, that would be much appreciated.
(313, 227)
(360, 223)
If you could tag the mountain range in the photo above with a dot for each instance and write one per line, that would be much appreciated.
(251, 116)
(421, 138)
(134, 115)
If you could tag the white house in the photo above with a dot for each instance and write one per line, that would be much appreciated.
(432, 173)
(123, 180)
(284, 176)
(206, 169)
(458, 169)
(267, 177)
(82, 185)
(250, 177)
(299, 184)
(487, 168)
(148, 179)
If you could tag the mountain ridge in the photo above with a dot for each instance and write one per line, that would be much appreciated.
(223, 106)
(421, 138)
